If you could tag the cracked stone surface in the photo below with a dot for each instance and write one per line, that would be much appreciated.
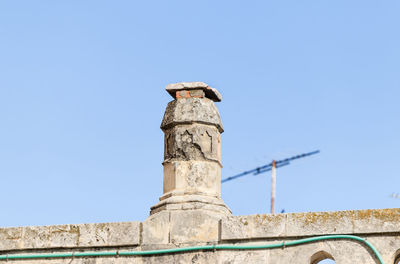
(192, 142)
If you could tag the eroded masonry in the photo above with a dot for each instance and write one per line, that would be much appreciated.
(192, 224)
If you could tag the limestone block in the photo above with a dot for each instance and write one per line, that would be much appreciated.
(197, 177)
(10, 238)
(156, 228)
(319, 223)
(115, 260)
(194, 226)
(253, 226)
(196, 258)
(239, 257)
(36, 237)
(124, 233)
(93, 235)
(109, 234)
(183, 258)
(158, 259)
(379, 220)
(190, 110)
(63, 236)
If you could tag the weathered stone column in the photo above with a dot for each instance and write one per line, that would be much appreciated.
(192, 150)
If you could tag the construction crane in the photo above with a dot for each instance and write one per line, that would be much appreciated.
(275, 164)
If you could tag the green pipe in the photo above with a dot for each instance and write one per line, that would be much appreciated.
(198, 248)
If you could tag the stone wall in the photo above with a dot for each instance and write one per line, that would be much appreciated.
(171, 230)
(192, 213)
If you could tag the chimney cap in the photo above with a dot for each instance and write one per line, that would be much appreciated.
(210, 92)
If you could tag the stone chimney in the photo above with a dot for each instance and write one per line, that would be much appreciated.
(192, 150)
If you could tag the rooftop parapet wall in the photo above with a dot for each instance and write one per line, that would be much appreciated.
(362, 222)
(234, 228)
(379, 227)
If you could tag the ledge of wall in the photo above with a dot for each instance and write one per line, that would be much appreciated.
(70, 236)
(162, 231)
(311, 224)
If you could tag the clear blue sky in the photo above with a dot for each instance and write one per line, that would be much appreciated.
(82, 97)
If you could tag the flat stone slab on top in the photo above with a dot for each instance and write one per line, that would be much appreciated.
(210, 92)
